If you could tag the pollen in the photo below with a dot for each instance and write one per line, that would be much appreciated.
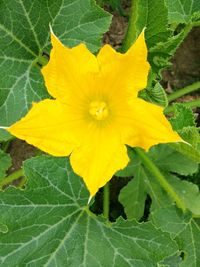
(98, 110)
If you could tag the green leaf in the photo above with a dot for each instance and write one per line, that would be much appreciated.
(161, 41)
(188, 192)
(133, 162)
(155, 95)
(162, 34)
(146, 185)
(176, 220)
(187, 150)
(172, 261)
(162, 51)
(24, 35)
(5, 163)
(185, 231)
(181, 11)
(184, 122)
(50, 225)
(183, 117)
(3, 228)
(133, 195)
(191, 135)
(169, 160)
(157, 29)
(4, 135)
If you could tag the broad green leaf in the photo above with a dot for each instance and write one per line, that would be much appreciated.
(129, 169)
(161, 41)
(171, 220)
(183, 117)
(146, 184)
(3, 228)
(181, 11)
(169, 160)
(24, 35)
(133, 195)
(192, 136)
(5, 163)
(185, 231)
(161, 53)
(189, 242)
(172, 261)
(187, 150)
(50, 225)
(184, 122)
(157, 23)
(4, 135)
(188, 192)
(158, 195)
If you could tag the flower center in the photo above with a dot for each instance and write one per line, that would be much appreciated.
(99, 110)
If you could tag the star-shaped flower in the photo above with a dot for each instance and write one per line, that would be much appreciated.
(95, 111)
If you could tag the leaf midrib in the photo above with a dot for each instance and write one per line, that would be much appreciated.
(43, 233)
(17, 40)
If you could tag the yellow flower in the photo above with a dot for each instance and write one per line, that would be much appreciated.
(95, 111)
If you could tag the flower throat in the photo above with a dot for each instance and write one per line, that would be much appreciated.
(99, 110)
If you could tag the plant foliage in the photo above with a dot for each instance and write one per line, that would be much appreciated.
(49, 223)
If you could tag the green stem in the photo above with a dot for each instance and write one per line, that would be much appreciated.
(131, 31)
(40, 61)
(106, 201)
(184, 91)
(191, 104)
(161, 179)
(12, 177)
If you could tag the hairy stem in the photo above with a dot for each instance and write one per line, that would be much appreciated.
(153, 169)
(131, 31)
(12, 177)
(192, 104)
(184, 91)
(106, 201)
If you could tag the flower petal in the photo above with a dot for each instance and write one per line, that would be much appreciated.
(50, 126)
(69, 70)
(99, 159)
(149, 126)
(125, 71)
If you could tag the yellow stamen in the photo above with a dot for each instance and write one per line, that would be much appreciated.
(98, 109)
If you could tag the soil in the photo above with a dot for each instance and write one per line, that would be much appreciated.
(20, 151)
(186, 62)
(117, 31)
